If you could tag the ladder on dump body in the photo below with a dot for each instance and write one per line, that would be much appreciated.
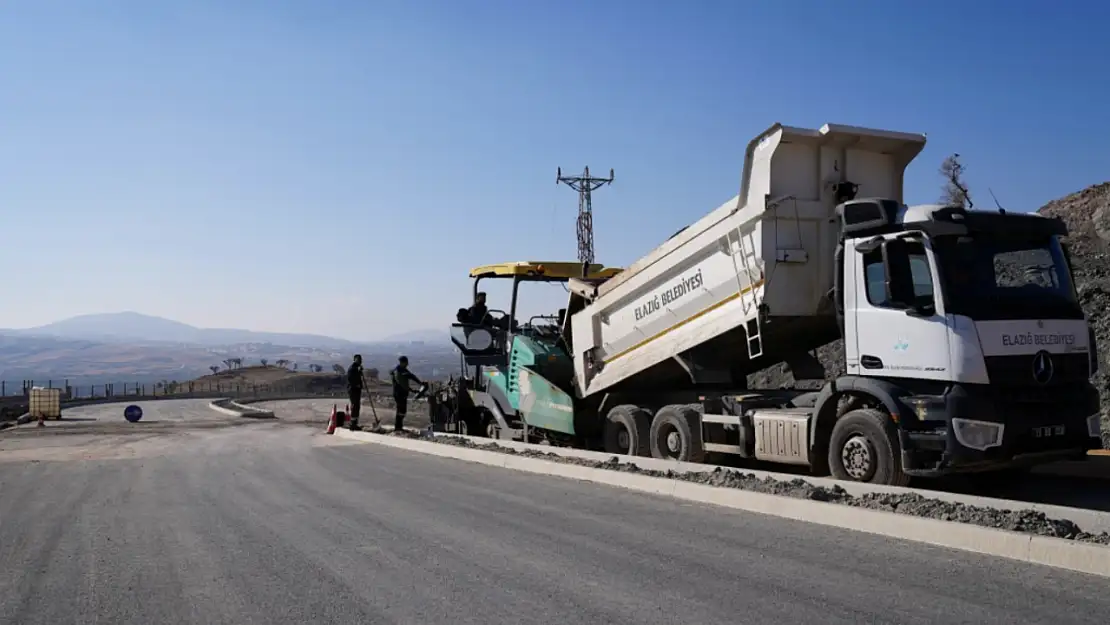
(748, 277)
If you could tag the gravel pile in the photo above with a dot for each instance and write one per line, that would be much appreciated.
(1026, 521)
(1087, 214)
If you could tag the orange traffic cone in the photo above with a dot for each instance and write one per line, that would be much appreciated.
(331, 421)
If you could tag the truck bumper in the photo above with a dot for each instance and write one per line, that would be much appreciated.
(975, 429)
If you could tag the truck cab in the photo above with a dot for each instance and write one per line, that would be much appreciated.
(970, 322)
(516, 372)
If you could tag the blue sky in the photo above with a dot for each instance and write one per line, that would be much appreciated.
(336, 167)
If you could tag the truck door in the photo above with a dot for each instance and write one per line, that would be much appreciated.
(899, 322)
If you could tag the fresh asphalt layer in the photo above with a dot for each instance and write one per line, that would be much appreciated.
(276, 523)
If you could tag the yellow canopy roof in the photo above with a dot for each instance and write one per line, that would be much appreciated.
(543, 270)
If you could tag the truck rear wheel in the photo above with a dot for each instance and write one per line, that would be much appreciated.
(864, 448)
(626, 431)
(672, 435)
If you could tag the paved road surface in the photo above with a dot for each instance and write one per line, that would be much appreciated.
(277, 524)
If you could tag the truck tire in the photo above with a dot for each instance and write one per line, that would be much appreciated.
(864, 448)
(672, 434)
(626, 431)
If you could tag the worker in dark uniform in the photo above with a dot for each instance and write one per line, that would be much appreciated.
(354, 390)
(400, 376)
(479, 309)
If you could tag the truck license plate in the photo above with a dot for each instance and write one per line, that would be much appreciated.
(1047, 431)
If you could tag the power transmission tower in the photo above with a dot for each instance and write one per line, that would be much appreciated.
(584, 185)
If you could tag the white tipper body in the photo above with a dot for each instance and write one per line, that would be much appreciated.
(772, 244)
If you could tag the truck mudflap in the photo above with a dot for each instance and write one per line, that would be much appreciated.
(975, 430)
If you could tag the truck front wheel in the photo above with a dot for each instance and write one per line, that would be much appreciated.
(864, 448)
(626, 431)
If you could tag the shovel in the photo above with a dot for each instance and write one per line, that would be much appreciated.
(373, 411)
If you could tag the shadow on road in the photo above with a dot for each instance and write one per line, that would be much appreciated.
(1089, 493)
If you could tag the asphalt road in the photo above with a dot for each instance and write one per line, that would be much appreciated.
(276, 523)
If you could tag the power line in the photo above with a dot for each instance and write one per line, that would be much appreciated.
(585, 185)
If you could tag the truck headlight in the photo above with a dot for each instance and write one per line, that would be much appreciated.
(928, 408)
(1094, 425)
(978, 435)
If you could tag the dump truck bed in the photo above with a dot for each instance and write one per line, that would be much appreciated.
(691, 305)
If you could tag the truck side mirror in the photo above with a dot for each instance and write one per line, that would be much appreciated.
(899, 277)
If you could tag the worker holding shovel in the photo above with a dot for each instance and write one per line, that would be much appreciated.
(355, 383)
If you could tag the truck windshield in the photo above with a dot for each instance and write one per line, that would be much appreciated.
(989, 276)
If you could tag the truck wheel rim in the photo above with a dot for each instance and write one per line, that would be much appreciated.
(858, 455)
(624, 440)
(674, 443)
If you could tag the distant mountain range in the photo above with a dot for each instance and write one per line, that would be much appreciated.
(129, 327)
(130, 346)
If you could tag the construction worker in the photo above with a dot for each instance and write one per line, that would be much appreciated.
(354, 390)
(478, 310)
(400, 376)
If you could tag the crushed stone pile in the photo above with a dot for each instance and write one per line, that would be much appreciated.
(1087, 214)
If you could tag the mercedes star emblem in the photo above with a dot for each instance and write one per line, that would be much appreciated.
(1043, 367)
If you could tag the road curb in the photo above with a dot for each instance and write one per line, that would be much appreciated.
(22, 419)
(232, 408)
(1054, 552)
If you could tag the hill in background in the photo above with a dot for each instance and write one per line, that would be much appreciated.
(132, 347)
(278, 377)
(133, 326)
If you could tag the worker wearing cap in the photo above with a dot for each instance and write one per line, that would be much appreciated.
(354, 390)
(400, 376)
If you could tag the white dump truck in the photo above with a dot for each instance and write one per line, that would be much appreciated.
(965, 347)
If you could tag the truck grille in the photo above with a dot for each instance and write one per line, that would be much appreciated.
(1016, 373)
